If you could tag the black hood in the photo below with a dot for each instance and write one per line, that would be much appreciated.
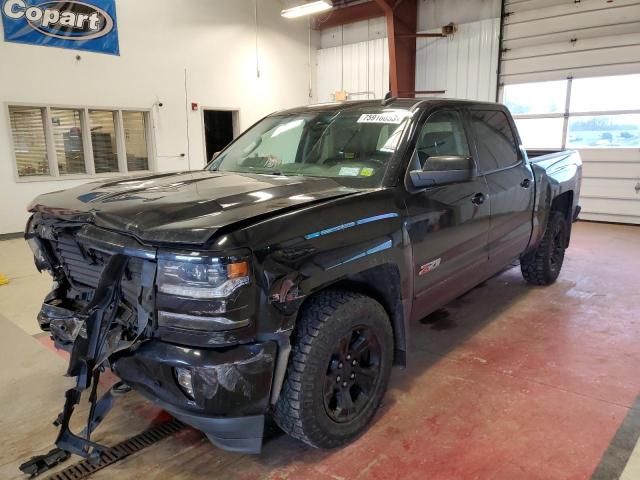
(186, 207)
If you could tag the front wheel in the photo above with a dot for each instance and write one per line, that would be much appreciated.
(338, 370)
(542, 266)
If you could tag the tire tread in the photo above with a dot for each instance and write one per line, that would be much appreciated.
(535, 268)
(288, 411)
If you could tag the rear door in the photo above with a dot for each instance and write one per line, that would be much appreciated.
(510, 180)
(447, 225)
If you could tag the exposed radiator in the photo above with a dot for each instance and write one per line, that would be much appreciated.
(84, 269)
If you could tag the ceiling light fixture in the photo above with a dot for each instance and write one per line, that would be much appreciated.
(307, 9)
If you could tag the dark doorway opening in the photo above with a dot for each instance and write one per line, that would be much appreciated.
(218, 130)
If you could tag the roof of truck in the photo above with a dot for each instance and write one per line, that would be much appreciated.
(408, 103)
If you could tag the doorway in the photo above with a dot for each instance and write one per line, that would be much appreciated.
(219, 130)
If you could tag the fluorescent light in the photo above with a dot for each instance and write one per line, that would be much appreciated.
(307, 9)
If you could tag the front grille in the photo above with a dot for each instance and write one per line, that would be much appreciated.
(83, 266)
(80, 269)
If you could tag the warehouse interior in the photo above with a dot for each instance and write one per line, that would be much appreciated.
(506, 381)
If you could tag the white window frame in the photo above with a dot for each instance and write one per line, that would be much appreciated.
(54, 173)
(567, 114)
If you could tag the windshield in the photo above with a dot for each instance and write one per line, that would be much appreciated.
(353, 145)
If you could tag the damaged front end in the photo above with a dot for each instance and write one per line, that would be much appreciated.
(131, 308)
(102, 303)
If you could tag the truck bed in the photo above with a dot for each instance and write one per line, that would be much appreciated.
(554, 160)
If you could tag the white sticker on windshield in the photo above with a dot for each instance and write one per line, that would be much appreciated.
(349, 171)
(387, 117)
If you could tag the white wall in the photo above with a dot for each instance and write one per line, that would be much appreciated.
(463, 65)
(355, 32)
(361, 69)
(214, 40)
(547, 40)
(353, 58)
(436, 13)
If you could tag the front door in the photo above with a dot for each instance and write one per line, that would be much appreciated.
(447, 225)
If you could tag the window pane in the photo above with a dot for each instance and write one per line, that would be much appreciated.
(353, 144)
(605, 93)
(541, 97)
(135, 141)
(604, 131)
(103, 140)
(442, 135)
(27, 130)
(540, 132)
(67, 138)
(497, 147)
(282, 141)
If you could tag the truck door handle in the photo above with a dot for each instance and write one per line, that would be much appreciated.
(525, 183)
(478, 199)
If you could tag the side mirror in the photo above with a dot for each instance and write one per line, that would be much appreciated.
(443, 170)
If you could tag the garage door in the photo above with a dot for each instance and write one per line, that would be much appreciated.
(569, 72)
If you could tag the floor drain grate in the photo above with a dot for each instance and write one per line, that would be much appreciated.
(122, 450)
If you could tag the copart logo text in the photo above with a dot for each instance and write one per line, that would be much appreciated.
(70, 20)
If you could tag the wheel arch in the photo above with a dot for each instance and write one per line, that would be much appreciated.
(563, 203)
(383, 284)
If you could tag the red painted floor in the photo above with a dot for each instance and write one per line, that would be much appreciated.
(509, 382)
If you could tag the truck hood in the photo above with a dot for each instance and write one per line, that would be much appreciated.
(185, 207)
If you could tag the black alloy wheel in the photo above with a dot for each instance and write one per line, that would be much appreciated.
(353, 374)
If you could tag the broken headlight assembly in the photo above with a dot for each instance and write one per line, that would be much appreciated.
(40, 258)
(204, 287)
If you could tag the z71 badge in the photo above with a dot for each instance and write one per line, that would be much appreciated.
(429, 267)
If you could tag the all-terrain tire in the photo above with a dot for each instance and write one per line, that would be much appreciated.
(302, 410)
(543, 266)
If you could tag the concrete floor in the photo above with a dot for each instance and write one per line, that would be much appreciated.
(508, 382)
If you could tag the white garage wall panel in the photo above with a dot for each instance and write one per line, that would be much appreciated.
(436, 13)
(554, 39)
(361, 69)
(610, 185)
(557, 39)
(463, 65)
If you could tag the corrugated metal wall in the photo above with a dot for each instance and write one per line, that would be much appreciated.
(361, 69)
(464, 65)
(554, 39)
(353, 58)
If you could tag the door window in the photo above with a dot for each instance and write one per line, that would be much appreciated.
(442, 135)
(497, 146)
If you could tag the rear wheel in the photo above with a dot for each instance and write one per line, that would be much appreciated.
(543, 266)
(338, 370)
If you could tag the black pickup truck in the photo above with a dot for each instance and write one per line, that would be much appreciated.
(283, 278)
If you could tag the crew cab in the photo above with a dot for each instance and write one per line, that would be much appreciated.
(284, 277)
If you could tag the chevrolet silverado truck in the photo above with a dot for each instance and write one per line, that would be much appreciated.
(284, 277)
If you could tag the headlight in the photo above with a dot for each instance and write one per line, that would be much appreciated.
(38, 254)
(202, 277)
